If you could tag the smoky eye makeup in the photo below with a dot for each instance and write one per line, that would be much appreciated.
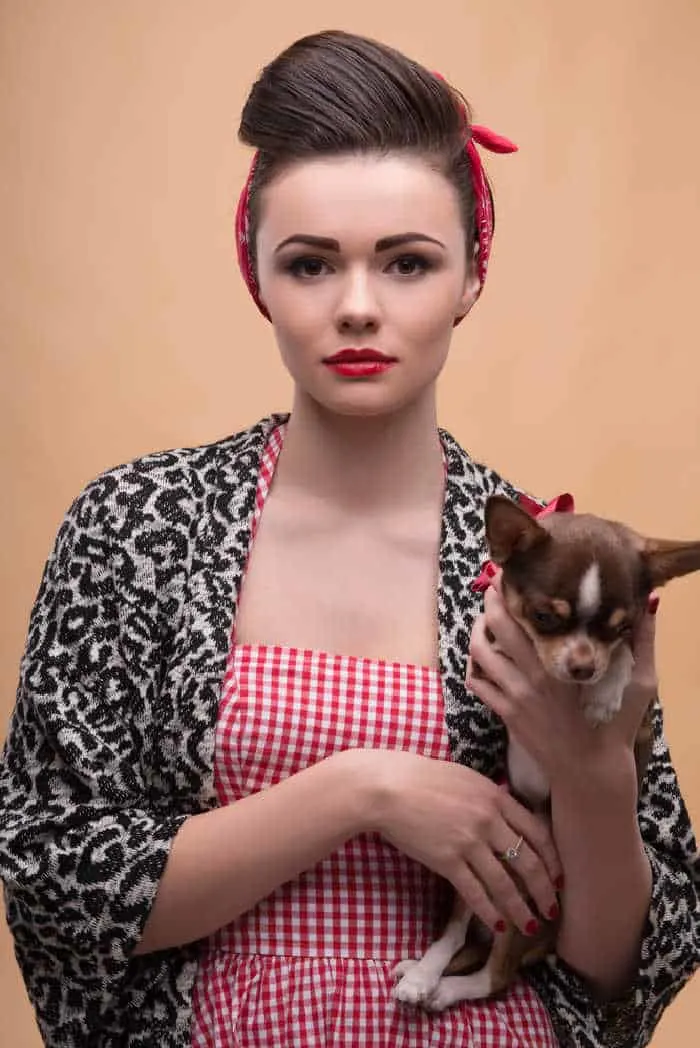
(308, 266)
(406, 265)
(410, 265)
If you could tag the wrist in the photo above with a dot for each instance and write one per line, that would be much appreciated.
(358, 777)
(609, 777)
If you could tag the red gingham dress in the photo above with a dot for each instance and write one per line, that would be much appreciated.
(310, 966)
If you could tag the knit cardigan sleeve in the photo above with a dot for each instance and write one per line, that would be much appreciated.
(83, 838)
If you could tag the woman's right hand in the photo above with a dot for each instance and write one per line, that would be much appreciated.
(459, 823)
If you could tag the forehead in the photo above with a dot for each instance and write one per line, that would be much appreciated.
(581, 542)
(368, 195)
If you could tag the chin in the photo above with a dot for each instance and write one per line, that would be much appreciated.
(371, 399)
(361, 403)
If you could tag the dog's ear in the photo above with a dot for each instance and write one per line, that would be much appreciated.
(510, 529)
(666, 560)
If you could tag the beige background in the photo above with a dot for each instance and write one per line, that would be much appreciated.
(126, 328)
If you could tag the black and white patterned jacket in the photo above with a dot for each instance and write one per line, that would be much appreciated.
(111, 745)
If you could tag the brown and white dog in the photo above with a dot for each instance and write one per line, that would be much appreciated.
(578, 585)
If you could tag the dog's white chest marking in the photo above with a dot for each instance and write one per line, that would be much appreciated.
(603, 700)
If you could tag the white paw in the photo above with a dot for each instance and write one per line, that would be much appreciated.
(416, 986)
(442, 997)
(402, 967)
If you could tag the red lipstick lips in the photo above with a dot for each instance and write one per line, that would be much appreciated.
(359, 363)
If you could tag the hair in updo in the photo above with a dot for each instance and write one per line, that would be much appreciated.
(334, 93)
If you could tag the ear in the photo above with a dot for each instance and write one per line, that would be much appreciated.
(510, 529)
(472, 289)
(668, 560)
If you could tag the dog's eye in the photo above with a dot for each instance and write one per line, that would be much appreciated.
(546, 622)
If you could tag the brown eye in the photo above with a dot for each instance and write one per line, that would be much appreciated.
(546, 622)
(619, 624)
(411, 265)
(307, 267)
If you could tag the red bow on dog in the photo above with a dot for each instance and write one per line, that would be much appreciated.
(561, 504)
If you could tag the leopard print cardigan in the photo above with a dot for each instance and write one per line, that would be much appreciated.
(110, 749)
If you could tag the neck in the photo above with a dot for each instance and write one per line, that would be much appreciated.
(393, 459)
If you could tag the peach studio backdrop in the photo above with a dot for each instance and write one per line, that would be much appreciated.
(125, 327)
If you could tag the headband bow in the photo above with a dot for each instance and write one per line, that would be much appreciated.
(482, 136)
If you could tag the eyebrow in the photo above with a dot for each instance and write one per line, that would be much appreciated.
(385, 244)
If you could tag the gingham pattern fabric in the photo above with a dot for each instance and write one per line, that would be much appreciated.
(311, 964)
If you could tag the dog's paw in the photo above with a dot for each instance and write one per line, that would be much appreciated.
(455, 988)
(416, 986)
(403, 967)
(441, 998)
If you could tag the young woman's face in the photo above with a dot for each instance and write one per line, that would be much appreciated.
(363, 253)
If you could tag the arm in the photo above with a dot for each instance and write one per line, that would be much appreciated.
(669, 952)
(667, 955)
(224, 861)
(608, 876)
(81, 846)
(93, 872)
(600, 833)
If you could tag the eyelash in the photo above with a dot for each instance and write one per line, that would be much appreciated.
(296, 266)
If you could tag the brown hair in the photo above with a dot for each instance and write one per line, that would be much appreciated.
(335, 93)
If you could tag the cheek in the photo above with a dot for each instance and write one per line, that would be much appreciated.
(295, 311)
(427, 310)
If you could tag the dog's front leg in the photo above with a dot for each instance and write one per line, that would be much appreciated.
(419, 979)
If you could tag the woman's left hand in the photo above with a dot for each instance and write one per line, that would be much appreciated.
(543, 714)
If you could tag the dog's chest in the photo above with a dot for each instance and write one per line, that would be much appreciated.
(600, 703)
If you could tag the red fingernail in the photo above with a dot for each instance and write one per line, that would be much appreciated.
(554, 912)
(532, 927)
(500, 926)
(653, 605)
(559, 883)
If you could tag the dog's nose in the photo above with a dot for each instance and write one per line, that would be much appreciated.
(581, 670)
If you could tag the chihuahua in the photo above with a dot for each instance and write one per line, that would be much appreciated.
(578, 585)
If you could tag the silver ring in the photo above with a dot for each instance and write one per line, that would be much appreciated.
(511, 854)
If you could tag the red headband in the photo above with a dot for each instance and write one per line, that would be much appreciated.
(482, 198)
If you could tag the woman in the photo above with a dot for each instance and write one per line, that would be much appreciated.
(282, 620)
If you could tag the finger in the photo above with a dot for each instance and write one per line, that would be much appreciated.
(497, 581)
(471, 889)
(529, 868)
(510, 636)
(643, 686)
(474, 668)
(494, 665)
(490, 695)
(643, 646)
(502, 889)
(536, 832)
(500, 703)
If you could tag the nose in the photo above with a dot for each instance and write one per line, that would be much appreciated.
(579, 670)
(358, 309)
